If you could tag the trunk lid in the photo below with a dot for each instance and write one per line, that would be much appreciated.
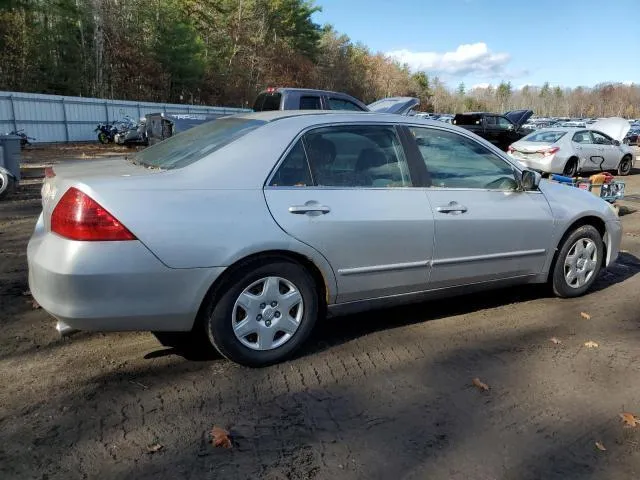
(396, 105)
(519, 117)
(615, 127)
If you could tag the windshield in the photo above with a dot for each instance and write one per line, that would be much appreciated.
(545, 137)
(267, 102)
(196, 143)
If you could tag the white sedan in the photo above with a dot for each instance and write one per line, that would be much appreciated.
(570, 151)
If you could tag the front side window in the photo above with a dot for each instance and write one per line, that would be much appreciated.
(504, 123)
(600, 139)
(340, 104)
(357, 156)
(455, 161)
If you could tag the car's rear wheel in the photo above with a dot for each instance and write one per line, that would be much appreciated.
(571, 168)
(578, 263)
(624, 168)
(264, 312)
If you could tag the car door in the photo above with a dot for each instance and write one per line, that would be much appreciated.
(508, 132)
(611, 153)
(347, 191)
(588, 153)
(486, 229)
(492, 132)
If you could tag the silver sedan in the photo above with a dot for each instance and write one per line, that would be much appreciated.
(570, 151)
(243, 232)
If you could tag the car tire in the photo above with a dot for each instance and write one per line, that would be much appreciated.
(578, 262)
(625, 166)
(571, 168)
(247, 322)
(7, 184)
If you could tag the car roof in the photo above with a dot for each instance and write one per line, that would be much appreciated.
(311, 117)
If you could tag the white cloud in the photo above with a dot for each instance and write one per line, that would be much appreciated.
(480, 86)
(473, 58)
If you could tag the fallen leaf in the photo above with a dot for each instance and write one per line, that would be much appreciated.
(35, 305)
(480, 385)
(591, 344)
(220, 437)
(156, 447)
(555, 340)
(586, 316)
(601, 447)
(629, 419)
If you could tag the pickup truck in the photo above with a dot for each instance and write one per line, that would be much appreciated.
(501, 130)
(309, 99)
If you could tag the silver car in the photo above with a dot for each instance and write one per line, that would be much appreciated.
(570, 151)
(243, 232)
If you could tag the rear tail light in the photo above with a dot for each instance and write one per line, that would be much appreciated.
(79, 217)
(49, 173)
(550, 151)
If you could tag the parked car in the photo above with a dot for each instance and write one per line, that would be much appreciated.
(243, 232)
(632, 137)
(570, 151)
(308, 99)
(501, 130)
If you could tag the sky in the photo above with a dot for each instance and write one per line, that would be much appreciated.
(479, 42)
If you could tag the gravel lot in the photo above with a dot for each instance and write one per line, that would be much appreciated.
(383, 395)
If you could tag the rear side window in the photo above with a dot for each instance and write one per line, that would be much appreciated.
(196, 143)
(582, 137)
(310, 103)
(340, 104)
(267, 101)
(357, 156)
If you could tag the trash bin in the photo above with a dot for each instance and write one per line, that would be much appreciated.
(9, 163)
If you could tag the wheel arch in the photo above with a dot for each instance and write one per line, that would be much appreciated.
(592, 220)
(325, 291)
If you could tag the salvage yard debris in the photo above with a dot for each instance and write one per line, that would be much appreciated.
(591, 344)
(629, 419)
(585, 315)
(220, 437)
(601, 447)
(483, 387)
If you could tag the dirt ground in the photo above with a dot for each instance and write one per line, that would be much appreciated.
(382, 395)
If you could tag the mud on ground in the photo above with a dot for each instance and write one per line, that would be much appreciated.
(382, 395)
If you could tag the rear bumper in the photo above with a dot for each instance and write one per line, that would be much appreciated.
(545, 165)
(113, 285)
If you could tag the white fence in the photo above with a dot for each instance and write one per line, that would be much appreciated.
(54, 118)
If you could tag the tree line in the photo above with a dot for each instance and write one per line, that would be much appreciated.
(223, 52)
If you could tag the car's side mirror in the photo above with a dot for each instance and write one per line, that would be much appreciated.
(530, 180)
(616, 143)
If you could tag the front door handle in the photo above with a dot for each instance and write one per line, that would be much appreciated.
(309, 208)
(452, 207)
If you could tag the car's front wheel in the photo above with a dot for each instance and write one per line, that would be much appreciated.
(578, 263)
(264, 312)
(7, 184)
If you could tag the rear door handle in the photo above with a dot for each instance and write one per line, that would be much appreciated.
(452, 207)
(309, 208)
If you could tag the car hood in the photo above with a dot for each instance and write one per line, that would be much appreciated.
(615, 127)
(397, 105)
(519, 117)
